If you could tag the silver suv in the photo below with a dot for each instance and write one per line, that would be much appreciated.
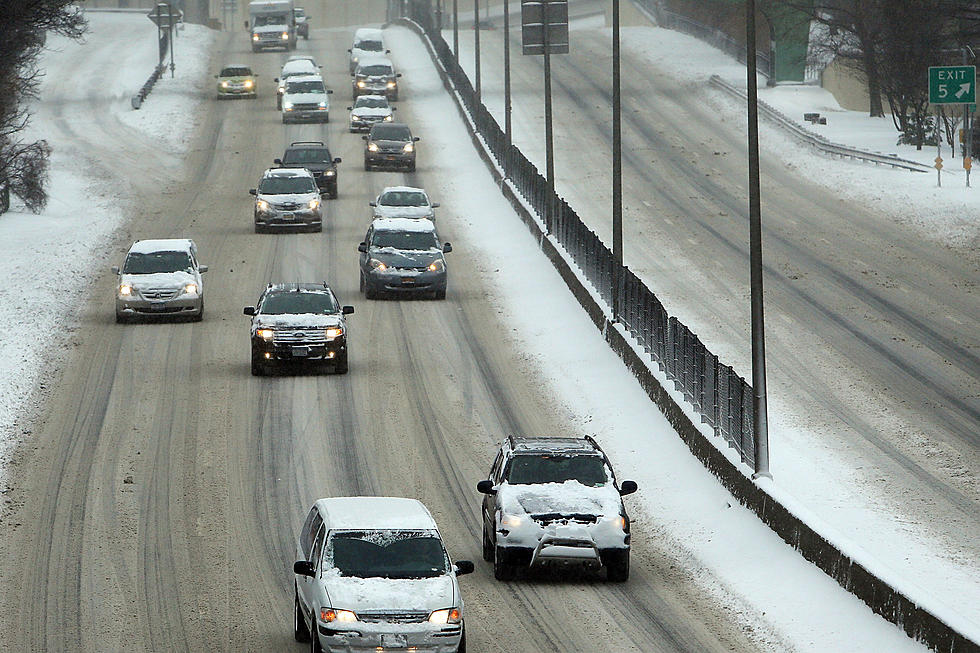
(373, 574)
(160, 277)
(287, 198)
(555, 501)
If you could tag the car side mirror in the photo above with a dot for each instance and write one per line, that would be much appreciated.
(251, 191)
(627, 487)
(387, 51)
(363, 138)
(202, 268)
(398, 74)
(304, 568)
(347, 310)
(486, 487)
(275, 79)
(246, 24)
(394, 108)
(348, 49)
(115, 269)
(416, 139)
(435, 205)
(464, 567)
(362, 247)
(278, 162)
(249, 310)
(372, 203)
(329, 91)
(338, 160)
(447, 247)
(350, 108)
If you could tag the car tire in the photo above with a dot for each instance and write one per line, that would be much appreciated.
(314, 638)
(487, 546)
(278, 102)
(502, 570)
(369, 292)
(367, 166)
(301, 630)
(259, 229)
(411, 167)
(284, 120)
(258, 367)
(360, 287)
(618, 566)
(199, 316)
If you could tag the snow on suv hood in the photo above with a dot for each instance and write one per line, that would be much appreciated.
(405, 258)
(568, 498)
(159, 279)
(314, 320)
(390, 594)
(286, 198)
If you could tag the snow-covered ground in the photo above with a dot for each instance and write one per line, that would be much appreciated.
(727, 550)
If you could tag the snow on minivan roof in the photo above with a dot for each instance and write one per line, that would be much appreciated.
(375, 513)
(162, 245)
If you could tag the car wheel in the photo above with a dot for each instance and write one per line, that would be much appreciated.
(367, 166)
(411, 166)
(314, 638)
(199, 316)
(501, 570)
(258, 367)
(369, 292)
(360, 287)
(487, 546)
(618, 566)
(326, 118)
(301, 631)
(278, 103)
(259, 229)
(284, 120)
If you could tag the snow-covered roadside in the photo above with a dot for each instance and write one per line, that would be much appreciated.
(55, 256)
(789, 603)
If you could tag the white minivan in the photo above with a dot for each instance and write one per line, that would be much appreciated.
(373, 574)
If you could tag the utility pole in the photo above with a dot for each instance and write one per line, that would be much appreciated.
(476, 46)
(507, 106)
(617, 174)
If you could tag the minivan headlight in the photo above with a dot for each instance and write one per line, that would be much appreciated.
(445, 616)
(125, 289)
(190, 288)
(331, 614)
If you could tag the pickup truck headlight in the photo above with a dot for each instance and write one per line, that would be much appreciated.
(373, 147)
(446, 616)
(391, 84)
(265, 334)
(332, 614)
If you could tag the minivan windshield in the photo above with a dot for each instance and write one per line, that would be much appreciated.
(286, 185)
(403, 198)
(369, 46)
(387, 554)
(548, 468)
(312, 86)
(410, 240)
(155, 262)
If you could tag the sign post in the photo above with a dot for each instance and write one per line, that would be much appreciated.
(952, 85)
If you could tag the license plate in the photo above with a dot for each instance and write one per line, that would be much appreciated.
(391, 157)
(408, 281)
(301, 352)
(288, 216)
(158, 307)
(393, 641)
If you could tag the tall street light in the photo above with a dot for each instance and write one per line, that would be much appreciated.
(507, 107)
(617, 175)
(476, 46)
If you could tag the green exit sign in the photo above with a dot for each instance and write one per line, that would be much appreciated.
(952, 84)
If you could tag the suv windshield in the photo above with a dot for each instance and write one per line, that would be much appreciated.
(387, 554)
(371, 102)
(235, 72)
(411, 240)
(294, 302)
(391, 133)
(307, 155)
(369, 46)
(547, 468)
(375, 69)
(403, 198)
(286, 185)
(153, 262)
(312, 86)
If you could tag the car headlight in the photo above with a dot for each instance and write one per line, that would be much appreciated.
(313, 204)
(261, 206)
(361, 84)
(322, 105)
(224, 84)
(255, 37)
(330, 173)
(190, 288)
(388, 117)
(436, 266)
(391, 84)
(285, 36)
(511, 521)
(373, 147)
(125, 290)
(265, 334)
(287, 106)
(378, 265)
(331, 614)
(335, 332)
(619, 521)
(249, 83)
(408, 147)
(446, 616)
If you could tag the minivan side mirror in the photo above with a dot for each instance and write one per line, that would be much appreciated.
(347, 310)
(447, 247)
(362, 247)
(251, 191)
(202, 268)
(338, 160)
(416, 139)
(278, 162)
(115, 269)
(372, 203)
(464, 567)
(486, 487)
(398, 74)
(249, 310)
(435, 205)
(627, 487)
(304, 568)
(329, 91)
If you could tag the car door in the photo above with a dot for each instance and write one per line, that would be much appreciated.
(309, 586)
(490, 500)
(366, 254)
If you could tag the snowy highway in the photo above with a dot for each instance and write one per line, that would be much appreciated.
(155, 503)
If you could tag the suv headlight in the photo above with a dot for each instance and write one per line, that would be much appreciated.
(125, 290)
(255, 37)
(332, 614)
(335, 332)
(287, 106)
(389, 117)
(224, 84)
(261, 205)
(510, 521)
(322, 105)
(408, 147)
(249, 83)
(619, 521)
(314, 204)
(445, 616)
(265, 334)
(436, 266)
(190, 288)
(391, 84)
(373, 147)
(377, 265)
(330, 173)
(361, 83)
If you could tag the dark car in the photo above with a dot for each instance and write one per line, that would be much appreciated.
(403, 255)
(298, 324)
(315, 157)
(302, 22)
(375, 76)
(554, 501)
(390, 145)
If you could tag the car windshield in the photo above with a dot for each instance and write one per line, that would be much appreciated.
(403, 198)
(312, 86)
(391, 133)
(410, 240)
(371, 102)
(307, 155)
(264, 20)
(154, 262)
(387, 554)
(240, 71)
(295, 302)
(286, 185)
(375, 69)
(369, 46)
(299, 12)
(548, 468)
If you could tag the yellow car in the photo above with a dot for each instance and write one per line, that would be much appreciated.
(236, 81)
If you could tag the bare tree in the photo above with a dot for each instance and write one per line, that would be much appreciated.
(24, 25)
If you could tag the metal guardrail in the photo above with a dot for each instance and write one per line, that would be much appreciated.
(137, 100)
(817, 141)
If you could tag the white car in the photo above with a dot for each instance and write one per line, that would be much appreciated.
(368, 41)
(369, 109)
(303, 65)
(305, 99)
(403, 202)
(160, 278)
(373, 574)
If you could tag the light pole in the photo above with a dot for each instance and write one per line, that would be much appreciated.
(456, 30)
(507, 108)
(476, 46)
(617, 175)
(549, 141)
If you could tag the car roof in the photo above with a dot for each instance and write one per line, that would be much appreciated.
(162, 245)
(370, 513)
(552, 444)
(287, 172)
(395, 189)
(403, 224)
(298, 65)
(368, 34)
(236, 65)
(307, 145)
(298, 286)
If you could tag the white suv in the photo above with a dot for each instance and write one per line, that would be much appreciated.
(160, 277)
(373, 574)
